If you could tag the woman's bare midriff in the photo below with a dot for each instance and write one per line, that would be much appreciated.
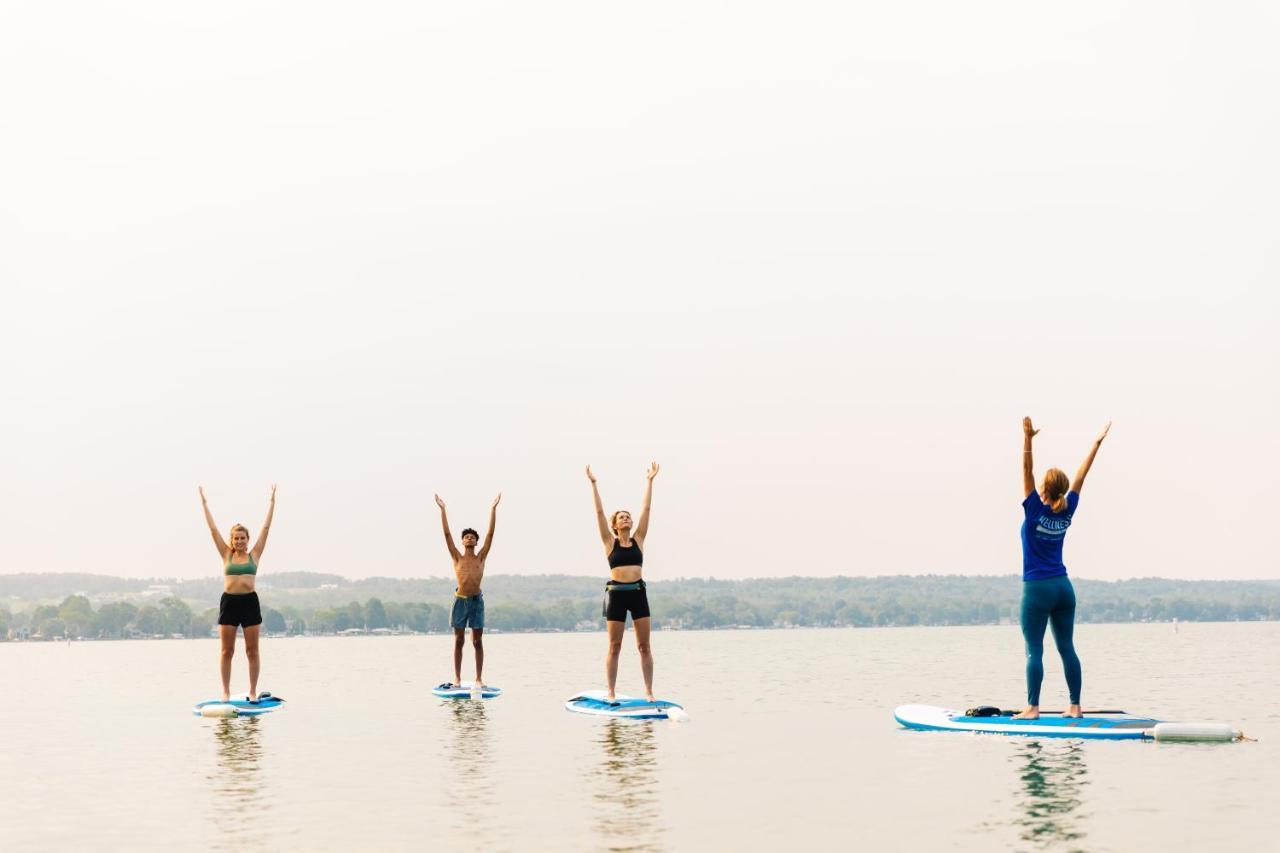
(238, 584)
(625, 574)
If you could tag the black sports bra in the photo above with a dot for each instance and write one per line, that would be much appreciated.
(625, 556)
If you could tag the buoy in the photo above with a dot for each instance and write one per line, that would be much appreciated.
(1195, 732)
(219, 711)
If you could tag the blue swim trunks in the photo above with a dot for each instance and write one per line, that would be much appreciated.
(468, 612)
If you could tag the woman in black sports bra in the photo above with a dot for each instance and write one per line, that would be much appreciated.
(625, 590)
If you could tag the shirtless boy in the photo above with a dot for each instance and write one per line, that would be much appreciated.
(468, 603)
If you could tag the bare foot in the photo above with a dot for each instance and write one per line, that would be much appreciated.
(1074, 711)
(610, 697)
(226, 697)
(650, 697)
(1031, 712)
(455, 684)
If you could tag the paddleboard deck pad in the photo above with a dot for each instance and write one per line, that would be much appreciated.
(595, 702)
(463, 691)
(238, 706)
(1112, 726)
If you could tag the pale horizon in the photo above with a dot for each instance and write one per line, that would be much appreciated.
(819, 273)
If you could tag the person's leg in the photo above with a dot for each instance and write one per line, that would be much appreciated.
(1034, 617)
(615, 631)
(251, 652)
(477, 641)
(646, 654)
(1062, 620)
(227, 639)
(459, 640)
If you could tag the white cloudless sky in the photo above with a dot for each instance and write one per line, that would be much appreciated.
(817, 259)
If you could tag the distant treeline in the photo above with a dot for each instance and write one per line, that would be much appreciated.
(301, 602)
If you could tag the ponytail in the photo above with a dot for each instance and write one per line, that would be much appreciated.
(1056, 485)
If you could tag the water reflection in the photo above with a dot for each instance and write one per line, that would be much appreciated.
(470, 786)
(1053, 777)
(239, 800)
(628, 800)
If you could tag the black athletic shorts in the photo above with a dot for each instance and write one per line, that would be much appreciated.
(619, 599)
(240, 609)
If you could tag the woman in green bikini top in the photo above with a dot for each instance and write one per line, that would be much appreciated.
(239, 607)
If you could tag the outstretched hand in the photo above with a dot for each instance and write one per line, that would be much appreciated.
(1028, 430)
(652, 472)
(439, 502)
(203, 500)
(497, 501)
(590, 476)
(273, 492)
(1106, 429)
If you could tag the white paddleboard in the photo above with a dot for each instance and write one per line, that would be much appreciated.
(238, 706)
(463, 691)
(593, 702)
(1110, 726)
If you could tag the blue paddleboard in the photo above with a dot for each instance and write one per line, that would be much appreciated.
(1112, 726)
(463, 691)
(240, 706)
(594, 702)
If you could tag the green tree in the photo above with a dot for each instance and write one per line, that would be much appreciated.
(273, 621)
(112, 618)
(148, 620)
(375, 615)
(4, 624)
(76, 614)
(43, 613)
(175, 616)
(327, 620)
(50, 628)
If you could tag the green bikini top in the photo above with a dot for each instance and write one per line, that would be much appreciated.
(249, 568)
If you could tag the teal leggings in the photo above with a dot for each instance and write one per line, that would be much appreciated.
(1052, 600)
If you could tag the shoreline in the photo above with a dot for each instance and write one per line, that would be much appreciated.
(489, 632)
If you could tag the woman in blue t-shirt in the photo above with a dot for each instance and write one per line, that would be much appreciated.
(1047, 594)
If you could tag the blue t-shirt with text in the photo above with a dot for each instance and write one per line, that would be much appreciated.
(1042, 533)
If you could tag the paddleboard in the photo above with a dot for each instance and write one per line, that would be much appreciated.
(463, 691)
(594, 702)
(238, 706)
(1110, 726)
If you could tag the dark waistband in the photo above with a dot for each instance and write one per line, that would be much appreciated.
(240, 594)
(610, 586)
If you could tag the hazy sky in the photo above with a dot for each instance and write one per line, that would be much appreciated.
(817, 259)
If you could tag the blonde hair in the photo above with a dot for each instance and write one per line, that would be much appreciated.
(1055, 489)
(613, 520)
(232, 535)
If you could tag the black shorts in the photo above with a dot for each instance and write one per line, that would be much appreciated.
(618, 602)
(240, 609)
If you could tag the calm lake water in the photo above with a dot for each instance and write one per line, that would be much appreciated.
(791, 745)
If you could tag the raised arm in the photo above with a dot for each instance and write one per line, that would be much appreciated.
(218, 541)
(1078, 483)
(642, 528)
(606, 535)
(448, 537)
(1028, 469)
(493, 521)
(260, 543)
